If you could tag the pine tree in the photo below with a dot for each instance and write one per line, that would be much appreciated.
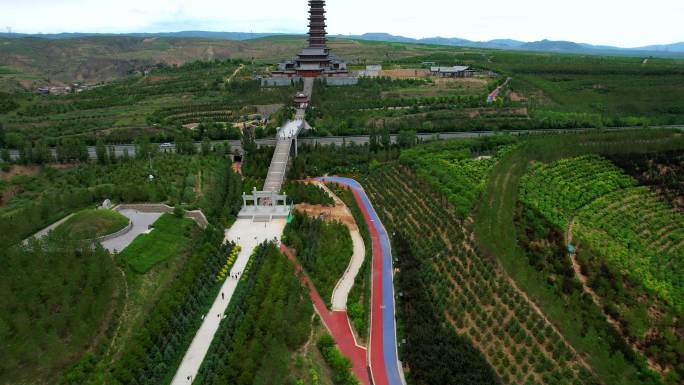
(101, 152)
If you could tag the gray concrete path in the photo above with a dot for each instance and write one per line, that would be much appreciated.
(308, 86)
(42, 233)
(281, 156)
(141, 224)
(248, 235)
(346, 282)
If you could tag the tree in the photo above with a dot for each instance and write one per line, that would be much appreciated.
(178, 211)
(143, 147)
(25, 153)
(5, 155)
(385, 138)
(101, 152)
(41, 153)
(111, 154)
(248, 142)
(407, 138)
(374, 146)
(2, 136)
(206, 146)
(184, 143)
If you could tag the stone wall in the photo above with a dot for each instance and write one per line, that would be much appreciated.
(196, 215)
(342, 81)
(279, 82)
(117, 234)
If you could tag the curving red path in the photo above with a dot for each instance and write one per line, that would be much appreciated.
(382, 356)
(337, 323)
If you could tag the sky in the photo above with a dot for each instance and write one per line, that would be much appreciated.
(624, 23)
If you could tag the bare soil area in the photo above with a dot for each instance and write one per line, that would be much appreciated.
(408, 73)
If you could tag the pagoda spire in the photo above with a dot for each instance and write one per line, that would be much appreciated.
(317, 25)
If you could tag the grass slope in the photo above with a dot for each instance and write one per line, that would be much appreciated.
(169, 237)
(93, 223)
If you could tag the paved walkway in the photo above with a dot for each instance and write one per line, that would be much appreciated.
(141, 224)
(248, 235)
(346, 282)
(308, 86)
(42, 233)
(337, 324)
(281, 156)
(383, 354)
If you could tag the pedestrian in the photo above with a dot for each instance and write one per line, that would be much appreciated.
(223, 296)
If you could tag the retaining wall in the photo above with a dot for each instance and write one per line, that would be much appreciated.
(117, 234)
(196, 215)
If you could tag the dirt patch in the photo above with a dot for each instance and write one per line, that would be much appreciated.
(19, 171)
(516, 97)
(335, 213)
(266, 110)
(475, 112)
(468, 82)
(155, 79)
(9, 194)
(405, 73)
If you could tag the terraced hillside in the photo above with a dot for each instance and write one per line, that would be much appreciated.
(559, 189)
(469, 292)
(607, 297)
(629, 242)
(638, 233)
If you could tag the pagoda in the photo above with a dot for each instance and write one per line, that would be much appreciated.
(316, 60)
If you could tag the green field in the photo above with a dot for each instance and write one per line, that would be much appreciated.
(94, 223)
(169, 236)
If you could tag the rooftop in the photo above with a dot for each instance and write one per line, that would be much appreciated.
(449, 69)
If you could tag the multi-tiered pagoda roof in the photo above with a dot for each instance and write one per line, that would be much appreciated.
(315, 60)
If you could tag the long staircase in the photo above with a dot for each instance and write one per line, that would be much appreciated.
(287, 136)
(276, 172)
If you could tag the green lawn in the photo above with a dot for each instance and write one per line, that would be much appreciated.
(93, 223)
(169, 237)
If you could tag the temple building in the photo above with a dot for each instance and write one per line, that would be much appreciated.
(316, 60)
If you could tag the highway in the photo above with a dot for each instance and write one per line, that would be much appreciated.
(358, 139)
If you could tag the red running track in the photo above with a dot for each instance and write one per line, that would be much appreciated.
(337, 323)
(376, 355)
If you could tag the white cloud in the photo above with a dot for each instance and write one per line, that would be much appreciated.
(616, 22)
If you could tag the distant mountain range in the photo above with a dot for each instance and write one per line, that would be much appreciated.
(676, 49)
(182, 34)
(666, 50)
